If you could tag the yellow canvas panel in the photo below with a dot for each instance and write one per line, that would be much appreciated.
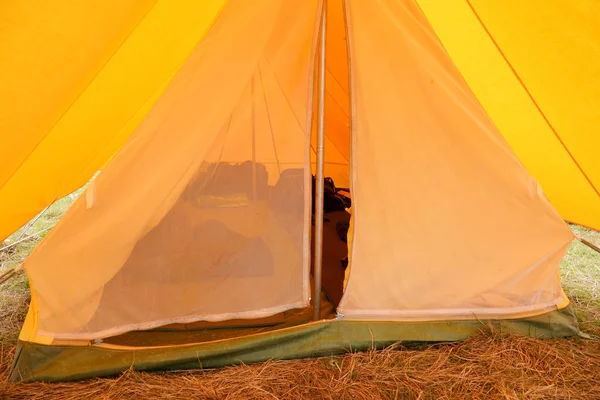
(107, 111)
(49, 52)
(554, 47)
(511, 108)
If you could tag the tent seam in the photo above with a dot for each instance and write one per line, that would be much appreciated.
(269, 119)
(352, 162)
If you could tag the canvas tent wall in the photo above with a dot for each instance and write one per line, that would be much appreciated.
(534, 65)
(71, 67)
(448, 226)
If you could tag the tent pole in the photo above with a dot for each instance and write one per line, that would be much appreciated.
(11, 273)
(319, 187)
(253, 144)
(34, 220)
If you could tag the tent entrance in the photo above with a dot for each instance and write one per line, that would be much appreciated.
(333, 138)
(334, 254)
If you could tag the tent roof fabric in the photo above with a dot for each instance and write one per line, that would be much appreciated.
(535, 68)
(76, 79)
(84, 94)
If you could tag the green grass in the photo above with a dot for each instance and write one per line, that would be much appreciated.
(580, 272)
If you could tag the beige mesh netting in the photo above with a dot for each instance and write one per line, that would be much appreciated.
(447, 222)
(203, 215)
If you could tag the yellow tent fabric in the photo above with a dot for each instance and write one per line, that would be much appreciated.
(77, 77)
(535, 67)
(204, 215)
(50, 53)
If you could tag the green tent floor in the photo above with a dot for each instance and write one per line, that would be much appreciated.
(35, 362)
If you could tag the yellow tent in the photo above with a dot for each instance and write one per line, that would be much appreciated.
(202, 219)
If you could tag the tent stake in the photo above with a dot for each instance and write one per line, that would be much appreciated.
(319, 187)
(33, 221)
(588, 243)
(24, 239)
(11, 273)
